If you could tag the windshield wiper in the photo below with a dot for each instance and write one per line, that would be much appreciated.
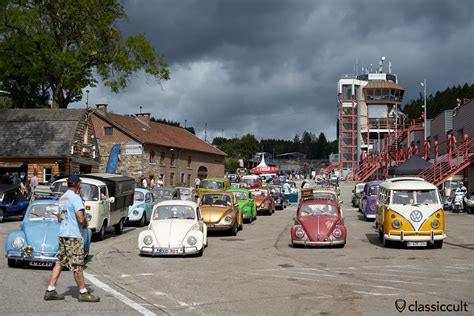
(35, 214)
(415, 204)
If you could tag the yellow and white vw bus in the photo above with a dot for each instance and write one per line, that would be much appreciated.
(409, 211)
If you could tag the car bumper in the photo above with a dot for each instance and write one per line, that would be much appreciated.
(44, 259)
(415, 236)
(219, 226)
(263, 210)
(134, 218)
(318, 243)
(156, 251)
(368, 215)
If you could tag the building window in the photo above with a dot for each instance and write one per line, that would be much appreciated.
(189, 161)
(152, 156)
(172, 178)
(86, 135)
(48, 172)
(183, 178)
(108, 131)
(162, 157)
(172, 159)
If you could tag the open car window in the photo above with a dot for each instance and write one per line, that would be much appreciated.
(174, 211)
(138, 196)
(43, 211)
(318, 209)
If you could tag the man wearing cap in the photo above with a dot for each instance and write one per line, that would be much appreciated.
(71, 247)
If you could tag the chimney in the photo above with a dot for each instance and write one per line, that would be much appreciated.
(102, 107)
(143, 118)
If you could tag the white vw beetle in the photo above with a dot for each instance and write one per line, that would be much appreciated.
(176, 228)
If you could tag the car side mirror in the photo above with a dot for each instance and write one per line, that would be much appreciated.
(112, 199)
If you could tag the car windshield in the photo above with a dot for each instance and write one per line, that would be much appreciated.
(360, 188)
(249, 181)
(240, 195)
(89, 192)
(216, 200)
(317, 209)
(414, 197)
(184, 191)
(163, 194)
(173, 211)
(138, 196)
(373, 190)
(259, 193)
(205, 184)
(325, 196)
(43, 211)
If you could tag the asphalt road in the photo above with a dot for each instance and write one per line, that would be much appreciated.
(258, 273)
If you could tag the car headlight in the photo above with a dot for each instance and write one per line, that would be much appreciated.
(29, 250)
(192, 240)
(18, 243)
(135, 213)
(435, 223)
(88, 217)
(397, 224)
(299, 233)
(228, 219)
(337, 233)
(147, 240)
(246, 209)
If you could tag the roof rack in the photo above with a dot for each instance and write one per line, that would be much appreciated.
(46, 195)
(307, 194)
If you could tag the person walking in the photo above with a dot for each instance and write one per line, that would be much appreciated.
(197, 182)
(71, 246)
(34, 182)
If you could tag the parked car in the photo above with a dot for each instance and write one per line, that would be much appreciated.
(252, 181)
(176, 229)
(318, 222)
(213, 184)
(368, 200)
(161, 194)
(264, 200)
(246, 203)
(142, 207)
(36, 242)
(106, 197)
(281, 201)
(220, 211)
(187, 193)
(12, 201)
(357, 193)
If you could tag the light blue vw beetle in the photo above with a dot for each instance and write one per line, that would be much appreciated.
(36, 243)
(140, 211)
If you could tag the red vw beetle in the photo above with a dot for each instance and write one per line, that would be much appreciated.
(318, 222)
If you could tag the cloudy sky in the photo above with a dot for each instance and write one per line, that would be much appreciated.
(270, 67)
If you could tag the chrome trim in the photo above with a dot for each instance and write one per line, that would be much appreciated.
(318, 243)
(154, 251)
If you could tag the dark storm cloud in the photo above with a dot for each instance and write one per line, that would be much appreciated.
(271, 67)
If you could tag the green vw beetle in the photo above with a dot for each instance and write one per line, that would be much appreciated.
(246, 203)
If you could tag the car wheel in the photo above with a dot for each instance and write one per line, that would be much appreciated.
(12, 263)
(380, 235)
(142, 221)
(201, 252)
(438, 244)
(101, 234)
(1, 215)
(119, 227)
(234, 229)
(387, 243)
(469, 210)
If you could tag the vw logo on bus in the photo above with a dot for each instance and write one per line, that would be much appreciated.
(416, 216)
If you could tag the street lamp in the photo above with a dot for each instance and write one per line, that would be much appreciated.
(87, 98)
(423, 84)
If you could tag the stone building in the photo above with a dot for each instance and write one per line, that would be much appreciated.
(150, 148)
(47, 142)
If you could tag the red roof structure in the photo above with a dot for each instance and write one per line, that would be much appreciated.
(262, 167)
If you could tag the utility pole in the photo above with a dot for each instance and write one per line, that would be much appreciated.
(205, 132)
(423, 84)
(185, 122)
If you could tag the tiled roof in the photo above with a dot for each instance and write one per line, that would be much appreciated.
(38, 132)
(159, 134)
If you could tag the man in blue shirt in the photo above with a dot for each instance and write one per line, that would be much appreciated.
(71, 247)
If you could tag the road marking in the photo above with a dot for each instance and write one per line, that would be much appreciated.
(375, 294)
(139, 308)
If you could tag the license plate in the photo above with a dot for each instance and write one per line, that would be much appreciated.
(168, 251)
(40, 264)
(417, 243)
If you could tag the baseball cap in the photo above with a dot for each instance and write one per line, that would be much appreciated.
(73, 179)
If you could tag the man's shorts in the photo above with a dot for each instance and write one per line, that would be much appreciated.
(71, 253)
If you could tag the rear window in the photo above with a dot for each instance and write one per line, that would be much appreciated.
(318, 209)
(211, 185)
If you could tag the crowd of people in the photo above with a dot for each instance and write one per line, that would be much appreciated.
(25, 188)
(151, 182)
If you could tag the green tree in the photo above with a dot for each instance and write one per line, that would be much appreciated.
(63, 46)
(248, 146)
